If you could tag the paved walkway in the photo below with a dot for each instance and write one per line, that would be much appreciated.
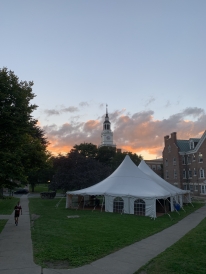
(16, 254)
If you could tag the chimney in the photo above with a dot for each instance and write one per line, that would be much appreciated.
(174, 136)
(166, 138)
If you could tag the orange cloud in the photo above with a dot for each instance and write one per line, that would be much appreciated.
(139, 133)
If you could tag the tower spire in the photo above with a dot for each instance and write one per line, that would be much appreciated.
(106, 110)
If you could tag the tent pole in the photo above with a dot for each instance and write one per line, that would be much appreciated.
(83, 204)
(80, 202)
(174, 207)
(189, 201)
(164, 209)
(102, 203)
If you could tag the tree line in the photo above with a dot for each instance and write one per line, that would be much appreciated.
(24, 157)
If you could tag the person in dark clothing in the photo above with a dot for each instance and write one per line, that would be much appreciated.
(17, 210)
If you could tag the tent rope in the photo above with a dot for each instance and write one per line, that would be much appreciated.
(165, 209)
(189, 200)
(58, 203)
(174, 207)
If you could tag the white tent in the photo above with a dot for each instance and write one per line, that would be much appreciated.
(176, 193)
(129, 185)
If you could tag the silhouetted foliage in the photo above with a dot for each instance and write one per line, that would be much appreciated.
(22, 142)
(75, 171)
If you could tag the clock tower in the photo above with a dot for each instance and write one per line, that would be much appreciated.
(107, 134)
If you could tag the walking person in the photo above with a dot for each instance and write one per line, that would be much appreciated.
(17, 209)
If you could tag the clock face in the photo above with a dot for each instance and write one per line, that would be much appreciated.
(108, 137)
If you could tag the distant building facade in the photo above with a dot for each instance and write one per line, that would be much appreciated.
(184, 163)
(156, 165)
(107, 134)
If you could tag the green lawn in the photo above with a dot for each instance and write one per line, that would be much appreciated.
(2, 224)
(79, 241)
(187, 256)
(41, 188)
(7, 205)
(6, 208)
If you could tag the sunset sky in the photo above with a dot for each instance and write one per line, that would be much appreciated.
(145, 59)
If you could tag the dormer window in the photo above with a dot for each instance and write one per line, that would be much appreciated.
(192, 146)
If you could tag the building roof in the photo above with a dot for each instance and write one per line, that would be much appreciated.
(183, 145)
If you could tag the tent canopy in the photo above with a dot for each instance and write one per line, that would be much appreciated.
(173, 190)
(127, 181)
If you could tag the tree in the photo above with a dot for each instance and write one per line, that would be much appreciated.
(76, 171)
(22, 142)
(105, 155)
(87, 149)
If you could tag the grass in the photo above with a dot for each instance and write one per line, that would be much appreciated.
(7, 205)
(6, 208)
(41, 188)
(2, 224)
(187, 256)
(79, 241)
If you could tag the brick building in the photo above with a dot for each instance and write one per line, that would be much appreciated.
(156, 165)
(184, 163)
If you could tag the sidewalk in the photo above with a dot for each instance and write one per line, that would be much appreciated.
(16, 254)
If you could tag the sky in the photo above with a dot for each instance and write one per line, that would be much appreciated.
(145, 59)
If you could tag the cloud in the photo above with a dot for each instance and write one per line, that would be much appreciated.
(137, 132)
(84, 104)
(168, 104)
(50, 112)
(69, 109)
(149, 101)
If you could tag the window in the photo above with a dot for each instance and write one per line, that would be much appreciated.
(196, 187)
(166, 162)
(175, 174)
(202, 173)
(169, 148)
(195, 172)
(167, 175)
(118, 205)
(188, 159)
(174, 161)
(185, 187)
(193, 157)
(203, 189)
(183, 160)
(159, 167)
(139, 207)
(184, 174)
(189, 173)
(191, 188)
(200, 157)
(192, 145)
(154, 167)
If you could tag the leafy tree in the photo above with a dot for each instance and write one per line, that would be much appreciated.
(87, 149)
(22, 142)
(106, 154)
(76, 171)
